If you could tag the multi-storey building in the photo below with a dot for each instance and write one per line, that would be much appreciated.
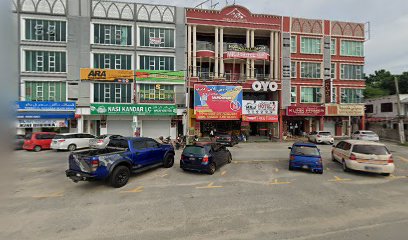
(58, 37)
(311, 69)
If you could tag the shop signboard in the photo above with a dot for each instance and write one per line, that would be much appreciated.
(133, 109)
(306, 111)
(42, 123)
(160, 76)
(260, 118)
(217, 102)
(345, 110)
(33, 106)
(45, 115)
(112, 75)
(235, 50)
(328, 90)
(251, 107)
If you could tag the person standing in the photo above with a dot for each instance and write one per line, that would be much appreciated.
(212, 133)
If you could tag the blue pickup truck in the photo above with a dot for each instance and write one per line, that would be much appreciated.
(118, 160)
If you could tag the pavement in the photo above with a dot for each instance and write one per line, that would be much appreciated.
(254, 197)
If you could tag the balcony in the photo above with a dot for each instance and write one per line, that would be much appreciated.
(259, 48)
(205, 46)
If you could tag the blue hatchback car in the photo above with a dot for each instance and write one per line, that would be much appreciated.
(305, 156)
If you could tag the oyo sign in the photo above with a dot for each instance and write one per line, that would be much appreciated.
(264, 86)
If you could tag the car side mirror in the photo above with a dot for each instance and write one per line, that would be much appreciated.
(290, 148)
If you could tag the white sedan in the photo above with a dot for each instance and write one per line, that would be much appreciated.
(365, 135)
(321, 137)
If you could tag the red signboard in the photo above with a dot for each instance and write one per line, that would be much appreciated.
(259, 118)
(218, 115)
(305, 111)
(249, 55)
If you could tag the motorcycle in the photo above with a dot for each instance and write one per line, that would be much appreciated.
(179, 142)
(166, 140)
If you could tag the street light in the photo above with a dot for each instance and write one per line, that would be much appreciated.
(400, 118)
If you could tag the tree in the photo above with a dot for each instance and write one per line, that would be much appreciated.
(382, 83)
(372, 92)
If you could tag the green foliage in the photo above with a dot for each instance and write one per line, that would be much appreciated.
(381, 83)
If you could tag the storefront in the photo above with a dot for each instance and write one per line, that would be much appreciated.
(346, 118)
(144, 120)
(44, 116)
(301, 120)
(261, 116)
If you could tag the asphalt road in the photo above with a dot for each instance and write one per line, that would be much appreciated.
(254, 197)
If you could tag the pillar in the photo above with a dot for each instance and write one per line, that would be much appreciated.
(321, 124)
(363, 127)
(276, 57)
(271, 57)
(222, 52)
(189, 50)
(194, 51)
(216, 53)
(253, 61)
(247, 73)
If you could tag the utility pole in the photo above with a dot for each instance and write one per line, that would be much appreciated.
(400, 118)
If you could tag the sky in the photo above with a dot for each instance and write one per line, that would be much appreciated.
(387, 46)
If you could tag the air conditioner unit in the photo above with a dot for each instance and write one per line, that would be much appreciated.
(319, 94)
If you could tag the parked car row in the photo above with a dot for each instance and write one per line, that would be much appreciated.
(327, 137)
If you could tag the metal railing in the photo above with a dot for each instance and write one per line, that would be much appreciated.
(204, 45)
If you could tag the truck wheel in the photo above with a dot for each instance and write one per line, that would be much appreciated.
(37, 148)
(72, 147)
(168, 161)
(119, 176)
(229, 158)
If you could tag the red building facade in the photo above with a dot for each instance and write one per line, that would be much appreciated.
(310, 70)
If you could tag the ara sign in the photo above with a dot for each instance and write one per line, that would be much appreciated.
(264, 86)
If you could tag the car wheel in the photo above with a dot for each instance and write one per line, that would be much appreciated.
(211, 168)
(229, 158)
(168, 161)
(319, 172)
(386, 174)
(72, 147)
(120, 176)
(345, 168)
(37, 148)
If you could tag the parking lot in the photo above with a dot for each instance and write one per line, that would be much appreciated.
(254, 197)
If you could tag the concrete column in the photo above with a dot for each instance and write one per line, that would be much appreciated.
(189, 50)
(241, 68)
(247, 71)
(216, 53)
(222, 52)
(276, 57)
(271, 57)
(253, 61)
(194, 51)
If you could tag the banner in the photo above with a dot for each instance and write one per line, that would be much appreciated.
(160, 76)
(41, 123)
(251, 107)
(235, 50)
(345, 110)
(155, 41)
(45, 115)
(260, 118)
(111, 75)
(305, 111)
(46, 106)
(217, 102)
(133, 109)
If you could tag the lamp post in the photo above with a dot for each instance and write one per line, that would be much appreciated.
(400, 119)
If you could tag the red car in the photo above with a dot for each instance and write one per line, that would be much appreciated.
(38, 141)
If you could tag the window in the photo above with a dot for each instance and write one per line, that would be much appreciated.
(156, 37)
(139, 145)
(386, 107)
(151, 144)
(293, 45)
(45, 30)
(293, 67)
(45, 61)
(112, 61)
(311, 45)
(112, 93)
(334, 95)
(293, 95)
(310, 70)
(156, 63)
(352, 48)
(352, 95)
(333, 46)
(45, 91)
(112, 34)
(369, 108)
(333, 71)
(156, 92)
(352, 72)
(311, 95)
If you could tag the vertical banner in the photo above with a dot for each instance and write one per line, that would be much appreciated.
(217, 102)
(328, 88)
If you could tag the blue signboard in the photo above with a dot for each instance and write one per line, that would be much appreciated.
(45, 115)
(46, 106)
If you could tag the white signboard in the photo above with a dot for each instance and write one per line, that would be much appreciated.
(41, 123)
(250, 107)
(155, 41)
(264, 86)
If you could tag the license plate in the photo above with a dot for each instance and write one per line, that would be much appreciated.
(192, 159)
(372, 168)
(305, 167)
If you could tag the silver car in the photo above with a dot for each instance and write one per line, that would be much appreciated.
(321, 137)
(365, 135)
(102, 141)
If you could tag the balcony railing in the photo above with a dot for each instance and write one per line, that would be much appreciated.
(203, 45)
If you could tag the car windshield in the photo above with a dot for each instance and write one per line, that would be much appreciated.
(195, 150)
(28, 136)
(368, 133)
(58, 136)
(306, 151)
(325, 133)
(371, 149)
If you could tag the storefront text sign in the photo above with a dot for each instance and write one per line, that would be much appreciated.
(159, 76)
(345, 110)
(46, 106)
(259, 118)
(264, 86)
(155, 41)
(250, 107)
(305, 111)
(42, 123)
(133, 109)
(235, 50)
(217, 116)
(111, 75)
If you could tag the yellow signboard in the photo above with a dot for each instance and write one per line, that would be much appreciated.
(344, 110)
(107, 75)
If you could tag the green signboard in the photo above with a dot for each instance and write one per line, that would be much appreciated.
(160, 76)
(133, 109)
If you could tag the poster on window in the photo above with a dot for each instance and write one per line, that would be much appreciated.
(155, 41)
(217, 102)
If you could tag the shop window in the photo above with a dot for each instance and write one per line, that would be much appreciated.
(369, 108)
(352, 48)
(112, 61)
(293, 67)
(112, 93)
(45, 30)
(293, 44)
(45, 91)
(112, 34)
(386, 107)
(156, 92)
(156, 37)
(311, 95)
(311, 45)
(45, 61)
(310, 70)
(352, 72)
(156, 63)
(293, 95)
(352, 95)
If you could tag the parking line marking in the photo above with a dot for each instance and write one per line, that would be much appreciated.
(397, 177)
(403, 159)
(337, 179)
(135, 190)
(210, 185)
(276, 182)
(223, 173)
(51, 195)
(276, 169)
